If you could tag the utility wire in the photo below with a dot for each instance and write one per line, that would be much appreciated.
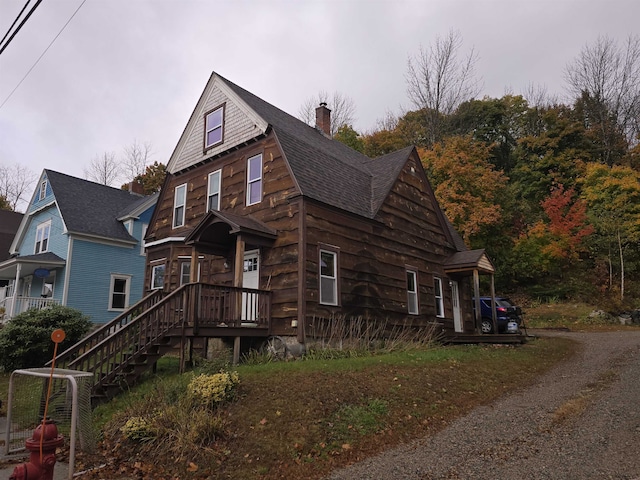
(15, 21)
(42, 55)
(19, 26)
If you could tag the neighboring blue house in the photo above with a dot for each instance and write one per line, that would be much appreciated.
(80, 245)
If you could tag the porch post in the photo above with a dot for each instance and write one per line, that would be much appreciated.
(476, 294)
(193, 275)
(494, 318)
(237, 282)
(15, 290)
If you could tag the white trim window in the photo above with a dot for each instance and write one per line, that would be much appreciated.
(412, 292)
(437, 291)
(254, 179)
(119, 292)
(142, 235)
(43, 232)
(128, 224)
(213, 191)
(328, 277)
(157, 276)
(179, 204)
(43, 190)
(213, 129)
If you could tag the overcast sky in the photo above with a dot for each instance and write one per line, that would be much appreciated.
(126, 70)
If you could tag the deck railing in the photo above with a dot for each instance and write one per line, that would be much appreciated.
(22, 304)
(108, 351)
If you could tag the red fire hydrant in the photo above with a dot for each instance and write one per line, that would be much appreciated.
(40, 467)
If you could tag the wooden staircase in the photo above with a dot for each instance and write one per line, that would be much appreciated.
(119, 352)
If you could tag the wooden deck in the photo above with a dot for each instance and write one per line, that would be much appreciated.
(500, 338)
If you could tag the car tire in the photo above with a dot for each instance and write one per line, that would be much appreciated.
(486, 326)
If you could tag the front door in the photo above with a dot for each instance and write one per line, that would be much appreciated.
(455, 300)
(250, 279)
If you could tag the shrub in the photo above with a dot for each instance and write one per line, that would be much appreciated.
(210, 390)
(25, 341)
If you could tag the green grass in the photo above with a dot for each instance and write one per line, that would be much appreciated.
(569, 315)
(304, 418)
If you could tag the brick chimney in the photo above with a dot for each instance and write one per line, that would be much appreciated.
(323, 119)
(136, 187)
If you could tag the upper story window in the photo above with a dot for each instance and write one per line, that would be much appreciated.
(328, 277)
(412, 292)
(179, 202)
(43, 190)
(437, 287)
(254, 179)
(213, 191)
(42, 237)
(213, 127)
(144, 234)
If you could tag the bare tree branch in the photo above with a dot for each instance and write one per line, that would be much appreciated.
(342, 110)
(610, 74)
(136, 158)
(103, 169)
(438, 80)
(16, 183)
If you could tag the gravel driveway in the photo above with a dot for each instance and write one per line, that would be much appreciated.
(522, 437)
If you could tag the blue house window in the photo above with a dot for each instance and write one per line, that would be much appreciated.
(119, 294)
(42, 237)
(43, 190)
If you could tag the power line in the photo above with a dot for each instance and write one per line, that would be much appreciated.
(15, 21)
(42, 55)
(19, 26)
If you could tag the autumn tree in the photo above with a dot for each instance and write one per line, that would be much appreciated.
(612, 195)
(135, 159)
(343, 110)
(103, 169)
(438, 80)
(466, 185)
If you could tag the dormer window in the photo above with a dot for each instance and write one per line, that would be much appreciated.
(213, 125)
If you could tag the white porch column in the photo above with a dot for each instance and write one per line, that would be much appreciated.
(15, 290)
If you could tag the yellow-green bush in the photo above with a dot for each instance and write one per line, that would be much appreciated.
(210, 390)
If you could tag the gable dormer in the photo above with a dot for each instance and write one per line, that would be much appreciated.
(220, 121)
(43, 194)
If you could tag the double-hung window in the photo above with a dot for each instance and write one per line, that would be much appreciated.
(42, 236)
(213, 128)
(254, 179)
(412, 292)
(437, 289)
(179, 203)
(119, 295)
(213, 191)
(157, 276)
(328, 277)
(43, 190)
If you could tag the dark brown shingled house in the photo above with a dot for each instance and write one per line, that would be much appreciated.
(301, 227)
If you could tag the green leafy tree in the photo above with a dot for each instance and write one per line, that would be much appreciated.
(612, 195)
(153, 178)
(347, 135)
(25, 341)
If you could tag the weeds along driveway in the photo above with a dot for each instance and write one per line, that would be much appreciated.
(581, 420)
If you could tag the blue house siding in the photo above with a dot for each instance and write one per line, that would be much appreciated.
(92, 265)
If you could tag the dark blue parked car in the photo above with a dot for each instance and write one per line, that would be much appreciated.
(508, 316)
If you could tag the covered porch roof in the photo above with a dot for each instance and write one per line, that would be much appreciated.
(217, 231)
(28, 264)
(468, 261)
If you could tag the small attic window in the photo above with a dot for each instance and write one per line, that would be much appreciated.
(43, 190)
(213, 127)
